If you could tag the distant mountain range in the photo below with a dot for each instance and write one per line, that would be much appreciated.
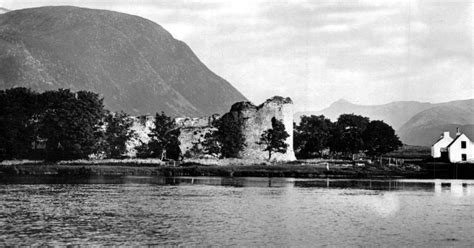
(416, 123)
(135, 64)
(425, 127)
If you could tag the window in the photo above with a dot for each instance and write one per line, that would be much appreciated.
(463, 157)
(463, 144)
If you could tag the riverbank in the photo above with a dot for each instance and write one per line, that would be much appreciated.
(194, 169)
(237, 168)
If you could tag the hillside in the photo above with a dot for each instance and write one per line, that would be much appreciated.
(395, 113)
(427, 136)
(424, 128)
(135, 64)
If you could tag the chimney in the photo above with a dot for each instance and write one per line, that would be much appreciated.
(458, 132)
(445, 134)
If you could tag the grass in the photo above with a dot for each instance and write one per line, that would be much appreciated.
(226, 161)
(411, 152)
(115, 162)
(230, 168)
(309, 168)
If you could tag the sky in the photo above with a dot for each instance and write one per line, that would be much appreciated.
(319, 51)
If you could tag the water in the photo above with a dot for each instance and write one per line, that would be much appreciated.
(236, 212)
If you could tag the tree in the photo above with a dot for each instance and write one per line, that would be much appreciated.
(380, 138)
(70, 123)
(346, 135)
(211, 144)
(18, 106)
(311, 136)
(274, 138)
(228, 139)
(117, 132)
(164, 141)
(194, 151)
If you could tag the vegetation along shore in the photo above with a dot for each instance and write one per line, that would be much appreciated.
(70, 134)
(235, 168)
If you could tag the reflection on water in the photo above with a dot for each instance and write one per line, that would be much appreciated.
(455, 187)
(235, 211)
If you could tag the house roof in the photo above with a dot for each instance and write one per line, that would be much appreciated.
(457, 137)
(441, 138)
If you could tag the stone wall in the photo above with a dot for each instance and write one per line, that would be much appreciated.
(184, 122)
(193, 130)
(256, 119)
(142, 126)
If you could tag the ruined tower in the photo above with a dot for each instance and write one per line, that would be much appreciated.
(256, 119)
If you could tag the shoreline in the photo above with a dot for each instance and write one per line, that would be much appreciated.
(236, 168)
(196, 170)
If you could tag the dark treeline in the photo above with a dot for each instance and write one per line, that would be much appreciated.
(317, 136)
(61, 124)
(65, 125)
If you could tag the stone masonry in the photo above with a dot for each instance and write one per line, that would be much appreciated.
(256, 119)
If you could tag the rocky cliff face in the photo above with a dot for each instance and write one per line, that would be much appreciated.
(256, 119)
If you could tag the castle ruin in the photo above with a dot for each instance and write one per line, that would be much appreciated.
(255, 120)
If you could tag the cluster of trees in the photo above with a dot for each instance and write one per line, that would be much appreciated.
(61, 124)
(350, 134)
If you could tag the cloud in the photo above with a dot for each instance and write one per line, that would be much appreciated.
(316, 52)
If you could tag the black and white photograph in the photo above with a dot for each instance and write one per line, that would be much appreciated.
(236, 123)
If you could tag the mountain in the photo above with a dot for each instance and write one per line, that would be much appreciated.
(3, 10)
(135, 64)
(416, 123)
(425, 127)
(394, 114)
(427, 136)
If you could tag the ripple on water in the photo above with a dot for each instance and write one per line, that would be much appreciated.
(147, 214)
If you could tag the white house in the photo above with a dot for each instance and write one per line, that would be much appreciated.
(441, 145)
(457, 150)
(461, 149)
